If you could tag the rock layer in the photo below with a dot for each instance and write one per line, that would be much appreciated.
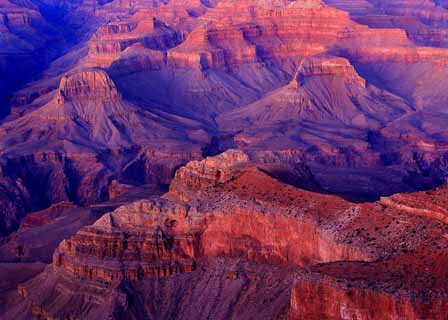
(295, 68)
(341, 97)
(257, 223)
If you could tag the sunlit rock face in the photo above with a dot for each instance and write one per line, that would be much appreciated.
(244, 232)
(303, 80)
(223, 159)
(89, 84)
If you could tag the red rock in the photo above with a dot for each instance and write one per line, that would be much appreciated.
(87, 84)
(197, 175)
(45, 216)
(249, 216)
(329, 300)
(344, 97)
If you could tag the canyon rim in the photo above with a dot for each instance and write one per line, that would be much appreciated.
(224, 159)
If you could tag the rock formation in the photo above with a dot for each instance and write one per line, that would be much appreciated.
(231, 229)
(86, 122)
(309, 107)
(200, 69)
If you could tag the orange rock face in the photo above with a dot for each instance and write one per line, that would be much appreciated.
(292, 138)
(88, 84)
(210, 172)
(342, 259)
(270, 79)
(45, 216)
(327, 300)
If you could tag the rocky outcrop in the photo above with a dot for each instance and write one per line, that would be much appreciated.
(424, 21)
(257, 222)
(76, 177)
(163, 247)
(84, 126)
(247, 69)
(211, 172)
(327, 66)
(241, 282)
(45, 216)
(33, 37)
(89, 84)
(226, 41)
(330, 96)
(328, 299)
(137, 58)
(116, 189)
(111, 40)
(304, 98)
(323, 90)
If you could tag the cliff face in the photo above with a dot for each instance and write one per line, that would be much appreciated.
(242, 232)
(34, 35)
(85, 125)
(88, 84)
(327, 300)
(16, 20)
(424, 21)
(15, 201)
(158, 250)
(111, 40)
(322, 89)
(207, 173)
(336, 97)
(291, 77)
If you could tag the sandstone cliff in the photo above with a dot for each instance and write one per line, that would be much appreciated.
(243, 230)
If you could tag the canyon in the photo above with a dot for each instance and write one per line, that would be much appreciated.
(229, 240)
(223, 159)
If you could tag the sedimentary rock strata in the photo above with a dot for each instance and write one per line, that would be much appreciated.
(106, 102)
(256, 222)
(200, 68)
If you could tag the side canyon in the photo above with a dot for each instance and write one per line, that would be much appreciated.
(223, 159)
